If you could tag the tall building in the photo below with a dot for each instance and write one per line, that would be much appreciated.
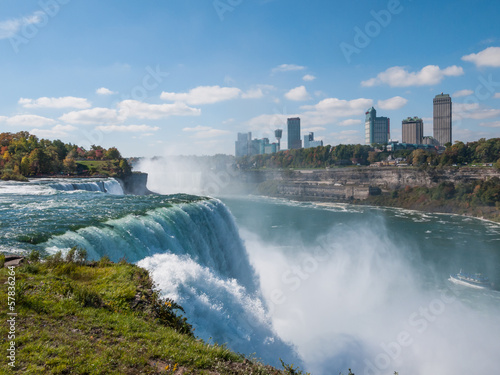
(246, 146)
(278, 133)
(428, 140)
(377, 129)
(442, 119)
(413, 130)
(294, 140)
(243, 144)
(310, 142)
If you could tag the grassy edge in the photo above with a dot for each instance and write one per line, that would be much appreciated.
(102, 317)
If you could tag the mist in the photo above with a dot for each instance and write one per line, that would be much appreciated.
(198, 175)
(359, 300)
(360, 295)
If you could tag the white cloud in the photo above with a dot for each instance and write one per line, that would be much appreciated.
(136, 109)
(494, 124)
(350, 122)
(330, 109)
(127, 128)
(62, 102)
(487, 57)
(298, 94)
(473, 111)
(197, 129)
(460, 93)
(12, 26)
(266, 124)
(258, 91)
(313, 129)
(308, 78)
(253, 94)
(396, 102)
(58, 131)
(203, 95)
(288, 68)
(91, 116)
(398, 76)
(104, 91)
(497, 95)
(346, 137)
(27, 120)
(205, 132)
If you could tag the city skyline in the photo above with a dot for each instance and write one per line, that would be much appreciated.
(171, 79)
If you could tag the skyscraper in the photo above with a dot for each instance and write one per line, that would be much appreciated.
(413, 130)
(310, 142)
(278, 133)
(243, 144)
(442, 119)
(377, 129)
(294, 140)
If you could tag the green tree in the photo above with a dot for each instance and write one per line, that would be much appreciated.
(112, 154)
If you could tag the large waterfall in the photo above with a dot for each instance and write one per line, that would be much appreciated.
(196, 256)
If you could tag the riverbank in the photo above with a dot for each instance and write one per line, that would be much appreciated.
(74, 316)
(463, 191)
(488, 213)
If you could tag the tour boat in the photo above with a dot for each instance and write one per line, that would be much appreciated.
(476, 280)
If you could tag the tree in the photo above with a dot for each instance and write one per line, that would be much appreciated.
(112, 154)
(125, 167)
(69, 164)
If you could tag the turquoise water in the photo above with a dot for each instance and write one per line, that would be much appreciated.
(328, 287)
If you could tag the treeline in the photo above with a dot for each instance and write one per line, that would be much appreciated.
(479, 198)
(480, 152)
(23, 154)
(318, 157)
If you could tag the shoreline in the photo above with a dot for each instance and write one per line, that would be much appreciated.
(326, 203)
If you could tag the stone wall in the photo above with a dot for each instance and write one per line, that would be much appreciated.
(135, 184)
(359, 182)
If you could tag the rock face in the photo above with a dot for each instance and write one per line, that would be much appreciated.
(357, 183)
(13, 260)
(136, 184)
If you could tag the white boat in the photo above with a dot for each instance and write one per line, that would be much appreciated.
(476, 280)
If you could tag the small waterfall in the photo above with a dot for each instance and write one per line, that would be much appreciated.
(110, 186)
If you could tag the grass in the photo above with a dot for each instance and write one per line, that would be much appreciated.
(76, 317)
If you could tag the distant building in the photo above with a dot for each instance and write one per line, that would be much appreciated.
(278, 133)
(243, 144)
(377, 129)
(310, 142)
(246, 146)
(395, 146)
(442, 118)
(293, 125)
(428, 140)
(413, 130)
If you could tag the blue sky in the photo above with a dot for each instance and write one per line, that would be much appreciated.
(184, 76)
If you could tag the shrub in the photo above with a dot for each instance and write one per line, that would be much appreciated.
(105, 261)
(55, 259)
(87, 297)
(34, 256)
